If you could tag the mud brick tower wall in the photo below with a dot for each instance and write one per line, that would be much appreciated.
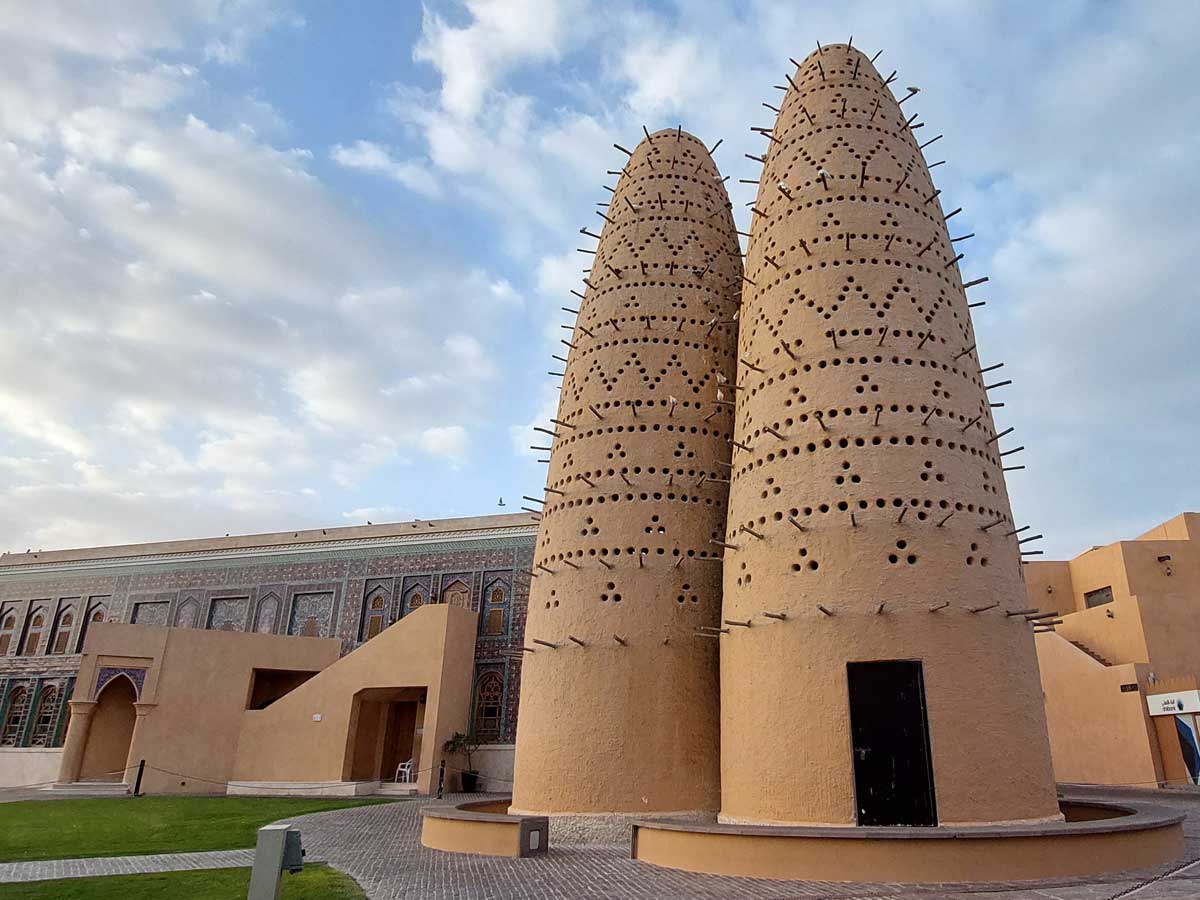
(864, 401)
(622, 718)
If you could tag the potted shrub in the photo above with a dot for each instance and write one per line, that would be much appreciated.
(466, 745)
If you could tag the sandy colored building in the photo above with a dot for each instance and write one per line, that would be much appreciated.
(1121, 672)
(180, 652)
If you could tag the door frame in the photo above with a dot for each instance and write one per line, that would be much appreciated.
(924, 709)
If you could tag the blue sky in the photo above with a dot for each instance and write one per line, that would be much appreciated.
(268, 265)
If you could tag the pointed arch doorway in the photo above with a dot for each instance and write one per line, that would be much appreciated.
(106, 753)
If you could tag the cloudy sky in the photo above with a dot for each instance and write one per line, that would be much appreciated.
(268, 265)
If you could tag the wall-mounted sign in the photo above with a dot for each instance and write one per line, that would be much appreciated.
(1173, 703)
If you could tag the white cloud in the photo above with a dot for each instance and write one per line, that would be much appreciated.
(502, 35)
(376, 514)
(200, 336)
(450, 442)
(371, 157)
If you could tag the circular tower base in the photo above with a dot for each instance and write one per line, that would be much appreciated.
(1094, 838)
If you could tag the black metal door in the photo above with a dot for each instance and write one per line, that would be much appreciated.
(893, 775)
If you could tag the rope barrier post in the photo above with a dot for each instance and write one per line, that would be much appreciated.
(137, 782)
(441, 778)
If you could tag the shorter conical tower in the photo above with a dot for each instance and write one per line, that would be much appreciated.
(619, 702)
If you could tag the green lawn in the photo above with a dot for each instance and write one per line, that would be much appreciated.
(68, 829)
(314, 883)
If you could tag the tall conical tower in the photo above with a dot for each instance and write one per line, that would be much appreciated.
(619, 706)
(878, 677)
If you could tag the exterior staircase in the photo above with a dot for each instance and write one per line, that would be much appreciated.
(1092, 653)
(91, 788)
(396, 789)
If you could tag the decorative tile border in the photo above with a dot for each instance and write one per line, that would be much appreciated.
(107, 674)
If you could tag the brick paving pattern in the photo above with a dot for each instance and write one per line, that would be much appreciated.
(380, 847)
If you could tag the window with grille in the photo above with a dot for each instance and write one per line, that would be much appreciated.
(495, 622)
(33, 637)
(489, 705)
(493, 615)
(45, 719)
(62, 637)
(7, 627)
(14, 718)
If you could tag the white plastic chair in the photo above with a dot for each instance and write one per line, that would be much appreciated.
(405, 769)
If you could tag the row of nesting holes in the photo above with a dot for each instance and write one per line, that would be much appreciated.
(639, 429)
(848, 412)
(601, 499)
(631, 552)
(877, 441)
(920, 507)
(878, 359)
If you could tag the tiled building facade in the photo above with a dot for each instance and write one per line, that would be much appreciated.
(348, 583)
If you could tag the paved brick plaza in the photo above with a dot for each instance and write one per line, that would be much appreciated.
(380, 846)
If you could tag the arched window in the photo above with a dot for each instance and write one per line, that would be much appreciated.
(7, 626)
(14, 718)
(45, 718)
(62, 634)
(493, 612)
(489, 705)
(97, 612)
(376, 615)
(457, 594)
(33, 637)
(414, 600)
(268, 609)
(188, 614)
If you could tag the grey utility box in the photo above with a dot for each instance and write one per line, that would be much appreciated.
(278, 848)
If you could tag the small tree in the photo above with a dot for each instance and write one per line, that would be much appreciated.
(462, 743)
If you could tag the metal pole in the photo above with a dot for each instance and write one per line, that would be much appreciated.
(137, 783)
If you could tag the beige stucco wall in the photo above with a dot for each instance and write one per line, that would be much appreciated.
(1156, 602)
(1114, 630)
(635, 495)
(1048, 585)
(195, 693)
(430, 649)
(20, 766)
(1183, 527)
(862, 394)
(1098, 735)
(1096, 568)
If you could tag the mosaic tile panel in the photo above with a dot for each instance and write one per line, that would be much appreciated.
(227, 613)
(311, 614)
